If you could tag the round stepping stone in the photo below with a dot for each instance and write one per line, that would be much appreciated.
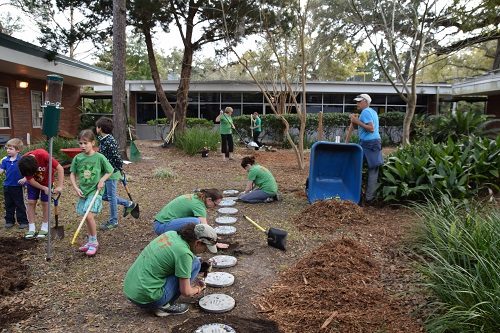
(227, 203)
(230, 198)
(225, 230)
(226, 219)
(230, 192)
(215, 328)
(219, 279)
(217, 303)
(224, 261)
(227, 210)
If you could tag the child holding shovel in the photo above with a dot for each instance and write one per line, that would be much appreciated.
(34, 167)
(185, 209)
(109, 148)
(92, 170)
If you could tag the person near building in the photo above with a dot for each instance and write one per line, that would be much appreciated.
(226, 132)
(256, 129)
(369, 138)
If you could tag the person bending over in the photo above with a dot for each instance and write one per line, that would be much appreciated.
(261, 185)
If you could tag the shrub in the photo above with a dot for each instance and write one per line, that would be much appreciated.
(461, 244)
(190, 122)
(163, 173)
(463, 169)
(192, 140)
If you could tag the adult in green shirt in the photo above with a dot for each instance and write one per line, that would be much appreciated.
(261, 185)
(256, 129)
(168, 267)
(226, 132)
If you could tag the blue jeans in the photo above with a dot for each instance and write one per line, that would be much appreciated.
(113, 199)
(171, 291)
(176, 224)
(255, 196)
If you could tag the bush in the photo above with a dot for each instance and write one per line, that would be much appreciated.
(464, 169)
(190, 122)
(192, 140)
(461, 244)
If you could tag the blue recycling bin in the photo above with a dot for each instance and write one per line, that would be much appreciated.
(335, 171)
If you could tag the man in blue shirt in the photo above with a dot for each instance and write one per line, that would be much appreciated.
(370, 141)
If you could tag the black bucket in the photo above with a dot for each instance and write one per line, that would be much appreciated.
(277, 238)
(204, 153)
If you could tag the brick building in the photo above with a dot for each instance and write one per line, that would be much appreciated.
(23, 71)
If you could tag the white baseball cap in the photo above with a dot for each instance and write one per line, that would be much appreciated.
(365, 97)
(207, 235)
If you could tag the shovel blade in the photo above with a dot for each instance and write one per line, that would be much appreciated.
(135, 212)
(57, 232)
(277, 238)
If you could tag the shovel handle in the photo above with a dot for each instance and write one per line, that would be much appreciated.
(255, 224)
(84, 217)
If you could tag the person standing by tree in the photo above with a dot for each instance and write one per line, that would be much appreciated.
(256, 129)
(370, 141)
(226, 132)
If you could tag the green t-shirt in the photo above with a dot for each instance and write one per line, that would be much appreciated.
(263, 179)
(90, 170)
(166, 255)
(187, 205)
(257, 125)
(226, 124)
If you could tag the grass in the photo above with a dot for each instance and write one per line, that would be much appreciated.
(163, 173)
(461, 244)
(193, 140)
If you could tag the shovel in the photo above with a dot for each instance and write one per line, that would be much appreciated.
(57, 230)
(135, 212)
(275, 237)
(246, 142)
(84, 216)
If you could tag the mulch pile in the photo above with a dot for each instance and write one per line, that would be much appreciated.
(329, 215)
(336, 288)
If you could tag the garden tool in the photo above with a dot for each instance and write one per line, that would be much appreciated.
(135, 212)
(246, 142)
(275, 237)
(135, 154)
(57, 230)
(84, 217)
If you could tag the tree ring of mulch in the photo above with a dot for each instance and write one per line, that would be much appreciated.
(239, 324)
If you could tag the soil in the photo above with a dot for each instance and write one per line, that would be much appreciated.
(346, 268)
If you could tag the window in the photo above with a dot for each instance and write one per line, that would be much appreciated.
(4, 107)
(36, 108)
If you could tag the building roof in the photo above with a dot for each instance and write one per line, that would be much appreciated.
(486, 84)
(27, 60)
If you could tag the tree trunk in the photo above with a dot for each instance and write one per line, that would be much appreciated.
(183, 89)
(496, 61)
(119, 45)
(410, 112)
(165, 104)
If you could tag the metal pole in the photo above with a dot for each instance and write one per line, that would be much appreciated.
(49, 242)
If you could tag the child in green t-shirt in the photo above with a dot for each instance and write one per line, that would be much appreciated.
(92, 170)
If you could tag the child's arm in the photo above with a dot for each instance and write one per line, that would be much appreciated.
(72, 178)
(60, 179)
(100, 185)
(1, 171)
(22, 181)
(39, 186)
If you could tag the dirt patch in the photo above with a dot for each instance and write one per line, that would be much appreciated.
(243, 325)
(15, 277)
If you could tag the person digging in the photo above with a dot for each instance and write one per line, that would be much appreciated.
(168, 268)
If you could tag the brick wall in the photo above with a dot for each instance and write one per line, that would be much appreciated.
(20, 108)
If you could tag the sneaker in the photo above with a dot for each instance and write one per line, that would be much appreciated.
(108, 226)
(175, 309)
(23, 226)
(269, 199)
(92, 250)
(127, 210)
(42, 234)
(84, 247)
(9, 225)
(278, 197)
(30, 235)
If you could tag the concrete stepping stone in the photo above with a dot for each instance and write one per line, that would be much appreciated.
(230, 198)
(217, 303)
(225, 230)
(226, 220)
(215, 328)
(230, 192)
(219, 279)
(227, 210)
(227, 203)
(224, 261)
